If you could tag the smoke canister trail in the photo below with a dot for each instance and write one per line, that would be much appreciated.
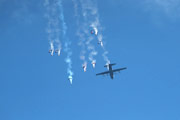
(90, 5)
(67, 44)
(87, 11)
(82, 37)
(53, 23)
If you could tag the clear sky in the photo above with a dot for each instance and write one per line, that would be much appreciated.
(142, 35)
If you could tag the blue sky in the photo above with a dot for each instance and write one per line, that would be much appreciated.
(140, 35)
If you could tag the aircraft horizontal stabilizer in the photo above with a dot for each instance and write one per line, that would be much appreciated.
(110, 65)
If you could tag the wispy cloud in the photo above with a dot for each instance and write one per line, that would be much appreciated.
(169, 7)
(21, 11)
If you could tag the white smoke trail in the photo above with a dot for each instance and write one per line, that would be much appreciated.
(92, 50)
(106, 59)
(53, 24)
(90, 11)
(80, 33)
(83, 49)
(94, 25)
(67, 43)
(86, 12)
(58, 47)
(51, 48)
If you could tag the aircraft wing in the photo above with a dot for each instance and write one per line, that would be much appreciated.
(118, 70)
(103, 73)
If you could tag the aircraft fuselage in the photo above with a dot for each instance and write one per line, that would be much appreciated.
(111, 71)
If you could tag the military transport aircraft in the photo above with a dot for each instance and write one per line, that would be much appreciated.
(111, 71)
